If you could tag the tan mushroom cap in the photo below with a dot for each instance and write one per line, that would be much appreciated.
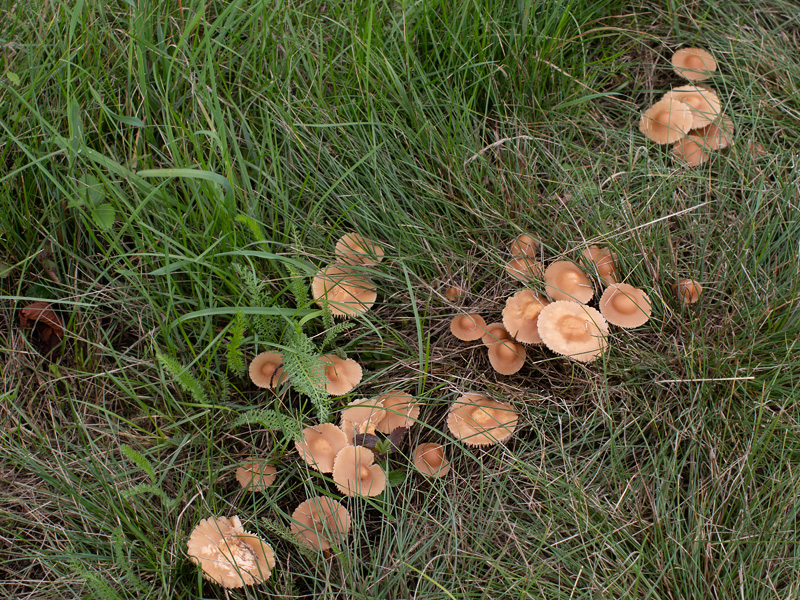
(401, 410)
(355, 249)
(266, 370)
(479, 421)
(523, 245)
(429, 459)
(348, 293)
(228, 555)
(625, 306)
(717, 135)
(666, 121)
(524, 268)
(494, 333)
(695, 64)
(521, 314)
(687, 290)
(455, 293)
(320, 445)
(604, 261)
(574, 330)
(256, 475)
(361, 416)
(566, 281)
(355, 475)
(320, 521)
(703, 101)
(690, 151)
(343, 374)
(468, 328)
(507, 357)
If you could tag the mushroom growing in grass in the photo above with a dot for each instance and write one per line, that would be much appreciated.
(521, 314)
(454, 293)
(343, 374)
(355, 249)
(666, 121)
(401, 410)
(320, 521)
(346, 291)
(574, 330)
(566, 281)
(266, 370)
(228, 555)
(468, 328)
(695, 64)
(525, 268)
(625, 306)
(479, 421)
(256, 475)
(494, 333)
(687, 290)
(355, 474)
(523, 245)
(604, 261)
(320, 445)
(361, 416)
(703, 102)
(429, 459)
(507, 357)
(690, 151)
(717, 135)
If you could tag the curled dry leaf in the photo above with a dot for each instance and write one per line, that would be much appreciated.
(46, 321)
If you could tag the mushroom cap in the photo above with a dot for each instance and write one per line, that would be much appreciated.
(703, 101)
(320, 521)
(355, 249)
(690, 151)
(401, 410)
(574, 330)
(343, 374)
(429, 460)
(666, 121)
(494, 333)
(348, 293)
(604, 261)
(717, 135)
(355, 475)
(507, 357)
(687, 290)
(625, 306)
(455, 293)
(566, 281)
(256, 475)
(694, 64)
(228, 555)
(523, 245)
(363, 413)
(320, 445)
(524, 268)
(468, 328)
(266, 370)
(479, 421)
(521, 315)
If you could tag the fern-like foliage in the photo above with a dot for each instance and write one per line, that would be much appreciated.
(299, 288)
(100, 589)
(146, 488)
(140, 461)
(301, 362)
(185, 379)
(252, 226)
(335, 331)
(267, 326)
(280, 530)
(234, 351)
(124, 563)
(269, 418)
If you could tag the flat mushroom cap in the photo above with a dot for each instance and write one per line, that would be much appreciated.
(361, 415)
(429, 460)
(320, 521)
(355, 475)
(687, 290)
(256, 475)
(494, 333)
(507, 357)
(695, 64)
(401, 410)
(479, 421)
(703, 101)
(521, 314)
(524, 268)
(666, 121)
(717, 135)
(266, 370)
(523, 245)
(468, 328)
(343, 374)
(348, 293)
(604, 261)
(228, 555)
(625, 306)
(566, 281)
(574, 330)
(320, 445)
(355, 249)
(690, 151)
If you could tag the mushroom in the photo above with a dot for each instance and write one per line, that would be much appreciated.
(319, 522)
(494, 333)
(355, 475)
(717, 135)
(694, 64)
(455, 293)
(346, 292)
(266, 370)
(690, 151)
(566, 281)
(343, 374)
(687, 290)
(625, 306)
(574, 330)
(429, 460)
(703, 102)
(468, 328)
(256, 475)
(666, 121)
(507, 357)
(604, 261)
(228, 555)
(361, 416)
(479, 421)
(355, 249)
(521, 314)
(320, 445)
(401, 410)
(524, 268)
(523, 245)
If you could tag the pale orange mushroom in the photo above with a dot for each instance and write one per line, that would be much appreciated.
(346, 291)
(266, 370)
(401, 410)
(524, 268)
(355, 249)
(320, 521)
(468, 328)
(320, 445)
(429, 459)
(703, 102)
(574, 330)
(479, 421)
(523, 245)
(695, 64)
(687, 290)
(625, 306)
(566, 281)
(604, 261)
(717, 135)
(690, 151)
(343, 374)
(507, 357)
(666, 121)
(494, 333)
(256, 475)
(361, 416)
(521, 314)
(355, 474)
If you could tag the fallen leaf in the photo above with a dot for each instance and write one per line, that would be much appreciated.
(45, 321)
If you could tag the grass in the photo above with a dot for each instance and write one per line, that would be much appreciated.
(135, 133)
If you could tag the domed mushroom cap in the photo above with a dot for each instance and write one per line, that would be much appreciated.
(256, 475)
(266, 370)
(343, 374)
(717, 135)
(355, 249)
(348, 293)
(361, 415)
(625, 306)
(666, 121)
(355, 475)
(690, 151)
(494, 333)
(429, 460)
(401, 410)
(687, 290)
(703, 101)
(524, 268)
(604, 261)
(320, 521)
(228, 555)
(455, 293)
(566, 281)
(574, 330)
(468, 328)
(320, 445)
(523, 245)
(521, 315)
(479, 421)
(507, 357)
(695, 64)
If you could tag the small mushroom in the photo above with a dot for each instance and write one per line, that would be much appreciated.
(355, 474)
(566, 281)
(687, 290)
(401, 410)
(256, 475)
(468, 328)
(625, 306)
(494, 333)
(574, 330)
(690, 151)
(455, 293)
(523, 245)
(429, 460)
(521, 314)
(666, 121)
(361, 416)
(479, 421)
(604, 261)
(343, 374)
(717, 135)
(320, 521)
(320, 445)
(694, 64)
(266, 370)
(355, 249)
(346, 291)
(507, 357)
(525, 268)
(703, 101)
